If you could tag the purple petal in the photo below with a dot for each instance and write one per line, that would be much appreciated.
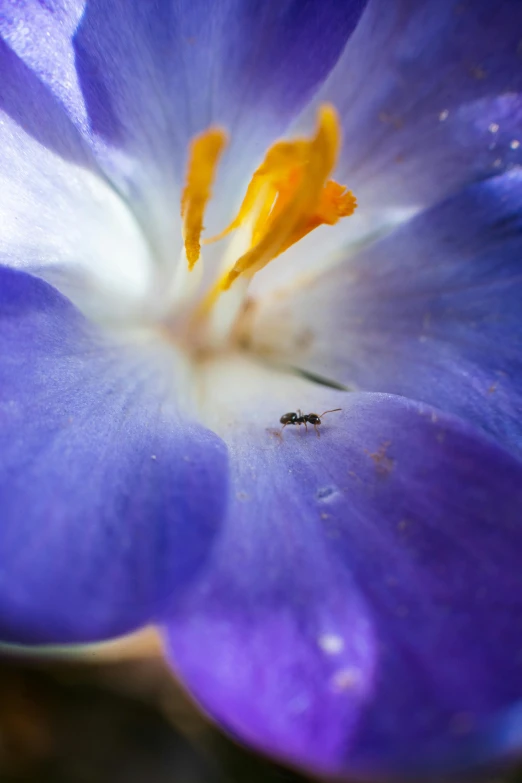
(109, 501)
(362, 613)
(432, 312)
(139, 79)
(55, 209)
(430, 98)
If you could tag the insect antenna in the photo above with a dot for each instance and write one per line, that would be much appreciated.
(332, 411)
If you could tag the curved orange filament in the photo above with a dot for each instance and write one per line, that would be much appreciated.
(296, 198)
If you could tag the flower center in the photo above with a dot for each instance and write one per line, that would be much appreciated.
(289, 195)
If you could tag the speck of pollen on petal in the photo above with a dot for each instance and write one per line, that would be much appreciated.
(290, 194)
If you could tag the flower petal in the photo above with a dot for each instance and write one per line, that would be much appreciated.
(362, 611)
(430, 95)
(56, 212)
(431, 312)
(109, 500)
(139, 80)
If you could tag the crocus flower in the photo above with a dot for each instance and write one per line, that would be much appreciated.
(350, 603)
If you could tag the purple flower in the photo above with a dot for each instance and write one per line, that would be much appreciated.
(350, 603)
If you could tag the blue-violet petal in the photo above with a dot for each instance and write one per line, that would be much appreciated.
(110, 502)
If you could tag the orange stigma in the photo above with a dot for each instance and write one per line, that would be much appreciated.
(290, 194)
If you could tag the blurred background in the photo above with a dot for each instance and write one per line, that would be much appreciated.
(116, 715)
(112, 715)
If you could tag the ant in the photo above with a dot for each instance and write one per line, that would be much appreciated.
(304, 418)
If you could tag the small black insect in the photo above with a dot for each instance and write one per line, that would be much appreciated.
(304, 418)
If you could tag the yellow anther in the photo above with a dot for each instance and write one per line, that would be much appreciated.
(288, 197)
(279, 161)
(205, 152)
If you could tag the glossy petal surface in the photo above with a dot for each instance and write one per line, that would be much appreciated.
(139, 79)
(109, 503)
(430, 95)
(341, 622)
(432, 312)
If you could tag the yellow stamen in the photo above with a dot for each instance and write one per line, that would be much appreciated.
(205, 152)
(280, 158)
(288, 196)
